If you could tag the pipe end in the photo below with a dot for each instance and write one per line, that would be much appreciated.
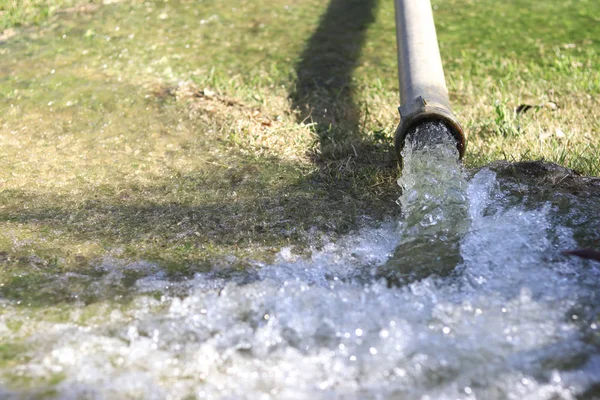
(420, 111)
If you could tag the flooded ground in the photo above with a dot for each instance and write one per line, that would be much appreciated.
(164, 232)
(515, 318)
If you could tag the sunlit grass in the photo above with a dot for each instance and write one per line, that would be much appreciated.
(185, 131)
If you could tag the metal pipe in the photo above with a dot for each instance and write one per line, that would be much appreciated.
(423, 92)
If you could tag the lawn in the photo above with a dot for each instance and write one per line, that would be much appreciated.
(184, 132)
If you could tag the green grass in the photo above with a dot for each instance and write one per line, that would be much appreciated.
(16, 13)
(185, 131)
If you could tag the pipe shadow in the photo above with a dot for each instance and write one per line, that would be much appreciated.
(353, 182)
(324, 92)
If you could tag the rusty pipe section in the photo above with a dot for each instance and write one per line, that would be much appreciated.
(423, 92)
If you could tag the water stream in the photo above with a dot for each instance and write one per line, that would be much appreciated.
(468, 296)
(114, 141)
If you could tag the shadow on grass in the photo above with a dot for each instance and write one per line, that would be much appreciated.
(184, 225)
(324, 94)
(250, 207)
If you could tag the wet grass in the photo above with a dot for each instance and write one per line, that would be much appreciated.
(182, 132)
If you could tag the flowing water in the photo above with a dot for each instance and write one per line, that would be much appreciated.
(468, 295)
(493, 311)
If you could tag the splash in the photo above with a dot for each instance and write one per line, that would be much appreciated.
(434, 206)
(515, 319)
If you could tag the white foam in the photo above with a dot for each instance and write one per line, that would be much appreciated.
(323, 327)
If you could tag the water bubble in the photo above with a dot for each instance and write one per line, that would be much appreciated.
(325, 325)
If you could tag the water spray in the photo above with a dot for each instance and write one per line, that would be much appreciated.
(423, 92)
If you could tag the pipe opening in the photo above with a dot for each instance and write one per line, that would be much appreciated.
(420, 137)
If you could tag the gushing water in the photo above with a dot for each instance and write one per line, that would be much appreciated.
(434, 206)
(468, 297)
